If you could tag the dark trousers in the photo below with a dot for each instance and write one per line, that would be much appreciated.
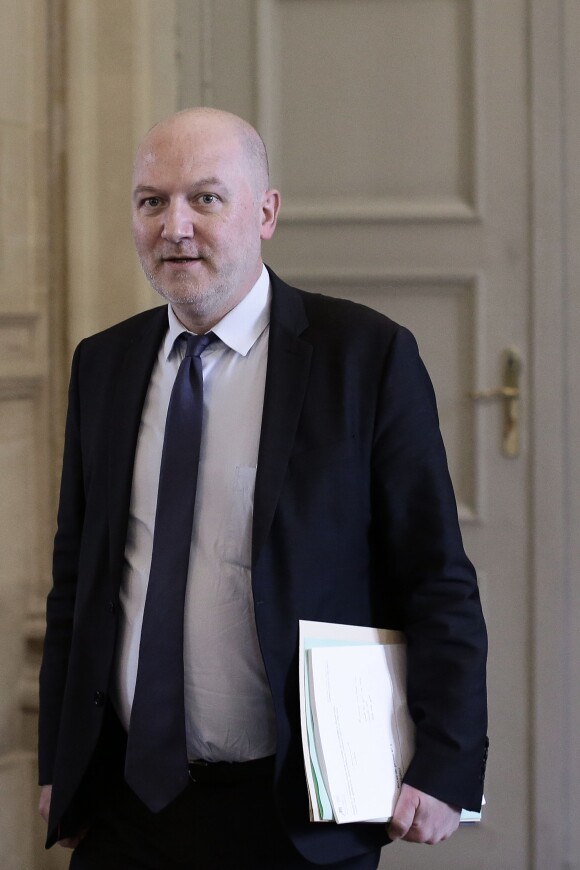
(211, 826)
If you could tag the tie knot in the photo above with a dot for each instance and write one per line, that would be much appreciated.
(196, 344)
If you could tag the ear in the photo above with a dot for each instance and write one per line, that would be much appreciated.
(270, 209)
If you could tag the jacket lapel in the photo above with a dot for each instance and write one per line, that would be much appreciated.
(126, 407)
(286, 381)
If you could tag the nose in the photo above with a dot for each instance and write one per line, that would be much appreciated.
(177, 222)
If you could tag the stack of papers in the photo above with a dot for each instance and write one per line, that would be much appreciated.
(357, 734)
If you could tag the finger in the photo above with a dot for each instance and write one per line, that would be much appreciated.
(72, 842)
(433, 823)
(69, 842)
(44, 801)
(403, 816)
(445, 827)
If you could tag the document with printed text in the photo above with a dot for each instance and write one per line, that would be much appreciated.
(357, 734)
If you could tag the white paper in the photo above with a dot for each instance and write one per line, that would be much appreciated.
(363, 732)
(325, 635)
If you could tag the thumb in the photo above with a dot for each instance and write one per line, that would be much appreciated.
(403, 815)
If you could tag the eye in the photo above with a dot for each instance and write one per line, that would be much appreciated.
(208, 198)
(151, 202)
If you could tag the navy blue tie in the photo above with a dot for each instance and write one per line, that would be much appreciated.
(156, 761)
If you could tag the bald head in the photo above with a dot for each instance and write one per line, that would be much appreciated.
(201, 209)
(217, 123)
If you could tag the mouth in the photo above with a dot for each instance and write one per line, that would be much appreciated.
(180, 259)
(181, 263)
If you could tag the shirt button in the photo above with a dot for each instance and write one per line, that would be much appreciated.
(99, 699)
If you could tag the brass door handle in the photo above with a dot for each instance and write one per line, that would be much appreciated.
(509, 393)
(496, 393)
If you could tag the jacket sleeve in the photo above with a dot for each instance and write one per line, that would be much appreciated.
(61, 599)
(435, 588)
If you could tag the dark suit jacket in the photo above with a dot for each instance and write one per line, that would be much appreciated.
(354, 522)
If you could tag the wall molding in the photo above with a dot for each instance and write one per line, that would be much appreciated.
(21, 386)
(19, 318)
(381, 210)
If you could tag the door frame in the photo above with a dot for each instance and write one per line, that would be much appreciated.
(550, 428)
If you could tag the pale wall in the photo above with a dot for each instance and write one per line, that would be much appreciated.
(25, 378)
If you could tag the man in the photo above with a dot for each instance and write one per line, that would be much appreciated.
(322, 493)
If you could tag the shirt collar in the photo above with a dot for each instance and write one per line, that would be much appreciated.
(241, 327)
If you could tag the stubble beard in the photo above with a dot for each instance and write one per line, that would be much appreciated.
(202, 299)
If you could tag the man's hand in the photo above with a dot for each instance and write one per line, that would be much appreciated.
(44, 809)
(420, 818)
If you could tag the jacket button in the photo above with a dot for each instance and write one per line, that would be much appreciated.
(111, 607)
(99, 699)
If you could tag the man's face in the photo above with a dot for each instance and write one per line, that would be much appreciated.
(198, 218)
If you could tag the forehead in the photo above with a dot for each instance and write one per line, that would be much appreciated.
(180, 152)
